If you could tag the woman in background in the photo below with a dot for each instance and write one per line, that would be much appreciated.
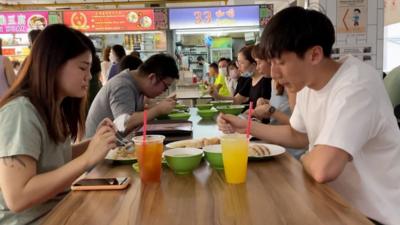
(105, 64)
(116, 54)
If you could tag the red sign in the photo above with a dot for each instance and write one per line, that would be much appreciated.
(110, 20)
(8, 51)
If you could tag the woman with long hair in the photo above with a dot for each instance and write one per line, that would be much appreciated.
(41, 115)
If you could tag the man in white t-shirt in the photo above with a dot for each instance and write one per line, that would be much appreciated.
(342, 114)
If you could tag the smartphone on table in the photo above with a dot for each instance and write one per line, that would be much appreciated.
(88, 184)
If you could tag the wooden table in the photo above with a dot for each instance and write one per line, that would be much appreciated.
(277, 192)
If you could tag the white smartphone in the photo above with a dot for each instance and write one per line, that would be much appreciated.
(87, 184)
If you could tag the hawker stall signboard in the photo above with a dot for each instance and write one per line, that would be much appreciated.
(110, 20)
(214, 17)
(22, 22)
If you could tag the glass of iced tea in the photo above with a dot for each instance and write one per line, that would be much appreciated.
(149, 153)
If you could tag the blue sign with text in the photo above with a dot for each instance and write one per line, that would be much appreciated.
(214, 17)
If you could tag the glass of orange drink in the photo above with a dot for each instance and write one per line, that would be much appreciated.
(234, 155)
(149, 154)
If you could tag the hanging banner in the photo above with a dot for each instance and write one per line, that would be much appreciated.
(110, 20)
(22, 22)
(214, 17)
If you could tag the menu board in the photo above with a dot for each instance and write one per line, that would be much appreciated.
(22, 22)
(161, 18)
(214, 17)
(110, 20)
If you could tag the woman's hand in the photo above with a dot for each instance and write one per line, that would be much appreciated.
(101, 143)
(230, 124)
(106, 122)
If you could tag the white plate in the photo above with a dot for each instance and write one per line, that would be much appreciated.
(184, 143)
(274, 149)
(112, 155)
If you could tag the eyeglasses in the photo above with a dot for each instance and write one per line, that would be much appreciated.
(166, 86)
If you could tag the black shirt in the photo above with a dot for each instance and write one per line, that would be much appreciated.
(241, 83)
(261, 90)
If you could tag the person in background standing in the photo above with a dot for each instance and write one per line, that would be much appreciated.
(7, 75)
(32, 35)
(130, 62)
(116, 54)
(94, 83)
(16, 66)
(202, 63)
(105, 64)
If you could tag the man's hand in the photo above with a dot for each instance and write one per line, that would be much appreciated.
(262, 101)
(165, 106)
(230, 124)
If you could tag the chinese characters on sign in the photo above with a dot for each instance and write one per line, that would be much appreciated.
(22, 22)
(214, 17)
(110, 20)
(207, 16)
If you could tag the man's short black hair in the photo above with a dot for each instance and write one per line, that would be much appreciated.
(200, 58)
(296, 29)
(214, 65)
(162, 65)
(357, 10)
(224, 59)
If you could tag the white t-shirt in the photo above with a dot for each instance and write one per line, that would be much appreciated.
(353, 112)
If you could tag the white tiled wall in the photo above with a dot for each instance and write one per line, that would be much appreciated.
(374, 32)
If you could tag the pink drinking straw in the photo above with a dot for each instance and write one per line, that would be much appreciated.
(249, 120)
(144, 125)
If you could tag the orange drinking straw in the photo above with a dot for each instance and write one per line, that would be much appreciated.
(144, 125)
(249, 120)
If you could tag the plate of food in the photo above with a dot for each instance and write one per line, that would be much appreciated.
(261, 150)
(123, 154)
(194, 143)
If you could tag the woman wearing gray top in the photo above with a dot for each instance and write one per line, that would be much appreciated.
(39, 117)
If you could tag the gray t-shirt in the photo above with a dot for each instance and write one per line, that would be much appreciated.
(23, 132)
(119, 96)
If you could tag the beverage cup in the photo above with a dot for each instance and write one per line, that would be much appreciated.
(149, 154)
(234, 155)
